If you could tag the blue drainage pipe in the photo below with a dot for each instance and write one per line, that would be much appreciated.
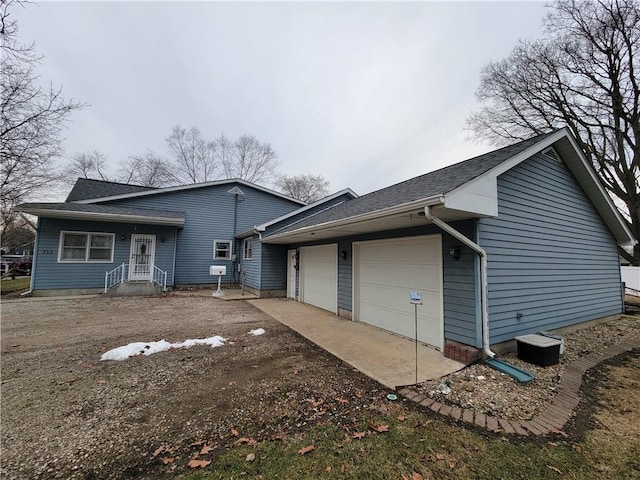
(520, 375)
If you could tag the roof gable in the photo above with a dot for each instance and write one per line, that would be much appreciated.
(418, 189)
(464, 190)
(159, 191)
(88, 188)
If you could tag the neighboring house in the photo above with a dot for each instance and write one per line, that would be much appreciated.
(515, 241)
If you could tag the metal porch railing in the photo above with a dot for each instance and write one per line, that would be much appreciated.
(160, 277)
(115, 276)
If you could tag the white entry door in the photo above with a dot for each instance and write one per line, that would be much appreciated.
(291, 274)
(141, 261)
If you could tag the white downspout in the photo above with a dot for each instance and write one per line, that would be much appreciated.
(483, 274)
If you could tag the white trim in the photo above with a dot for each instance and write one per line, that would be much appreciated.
(188, 187)
(244, 248)
(103, 217)
(87, 246)
(291, 274)
(215, 244)
(394, 210)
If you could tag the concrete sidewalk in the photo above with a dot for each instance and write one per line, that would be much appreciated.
(387, 358)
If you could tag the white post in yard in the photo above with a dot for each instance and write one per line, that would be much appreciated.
(416, 299)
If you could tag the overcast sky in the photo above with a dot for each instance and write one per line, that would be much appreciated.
(366, 94)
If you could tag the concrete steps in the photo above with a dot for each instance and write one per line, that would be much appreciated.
(134, 288)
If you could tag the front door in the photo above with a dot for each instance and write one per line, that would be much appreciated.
(143, 249)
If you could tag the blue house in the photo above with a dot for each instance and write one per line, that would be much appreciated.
(518, 240)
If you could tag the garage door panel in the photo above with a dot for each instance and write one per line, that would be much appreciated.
(387, 271)
(319, 276)
(402, 252)
(412, 277)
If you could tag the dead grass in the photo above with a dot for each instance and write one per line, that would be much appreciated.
(10, 286)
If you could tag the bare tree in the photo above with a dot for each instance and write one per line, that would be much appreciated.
(583, 74)
(246, 158)
(192, 154)
(31, 120)
(91, 164)
(307, 188)
(148, 170)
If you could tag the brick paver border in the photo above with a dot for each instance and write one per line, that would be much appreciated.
(551, 420)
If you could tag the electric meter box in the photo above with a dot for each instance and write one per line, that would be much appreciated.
(217, 270)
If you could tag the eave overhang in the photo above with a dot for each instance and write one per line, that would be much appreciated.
(103, 217)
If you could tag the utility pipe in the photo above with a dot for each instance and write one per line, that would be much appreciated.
(483, 274)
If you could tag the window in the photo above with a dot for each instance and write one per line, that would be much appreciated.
(86, 247)
(222, 250)
(248, 249)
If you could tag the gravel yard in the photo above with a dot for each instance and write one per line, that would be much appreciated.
(65, 414)
(484, 389)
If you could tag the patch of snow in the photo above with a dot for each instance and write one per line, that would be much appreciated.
(149, 348)
(257, 331)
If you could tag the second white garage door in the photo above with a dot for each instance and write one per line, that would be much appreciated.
(319, 276)
(386, 271)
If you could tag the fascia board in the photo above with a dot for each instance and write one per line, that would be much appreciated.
(613, 210)
(105, 217)
(396, 209)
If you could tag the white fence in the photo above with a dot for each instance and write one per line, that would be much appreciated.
(631, 277)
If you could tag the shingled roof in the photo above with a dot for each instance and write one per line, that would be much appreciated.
(86, 188)
(68, 209)
(438, 182)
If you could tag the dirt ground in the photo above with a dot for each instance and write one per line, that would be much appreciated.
(65, 414)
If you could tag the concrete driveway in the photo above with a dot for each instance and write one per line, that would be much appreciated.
(387, 358)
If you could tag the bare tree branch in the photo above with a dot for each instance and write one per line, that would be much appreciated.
(31, 120)
(581, 74)
(307, 188)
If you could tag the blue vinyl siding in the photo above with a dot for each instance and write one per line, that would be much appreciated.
(50, 274)
(209, 217)
(252, 266)
(274, 267)
(459, 291)
(551, 257)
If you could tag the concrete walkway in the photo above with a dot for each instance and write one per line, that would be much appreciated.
(387, 358)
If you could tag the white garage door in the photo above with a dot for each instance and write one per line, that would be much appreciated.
(386, 272)
(319, 276)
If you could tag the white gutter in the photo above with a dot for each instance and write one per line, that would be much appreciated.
(483, 274)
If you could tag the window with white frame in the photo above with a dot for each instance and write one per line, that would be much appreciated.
(86, 247)
(247, 249)
(222, 249)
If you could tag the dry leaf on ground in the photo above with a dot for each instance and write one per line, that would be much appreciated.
(206, 449)
(379, 428)
(198, 463)
(359, 435)
(307, 449)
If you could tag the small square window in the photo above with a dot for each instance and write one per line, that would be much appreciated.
(222, 250)
(247, 249)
